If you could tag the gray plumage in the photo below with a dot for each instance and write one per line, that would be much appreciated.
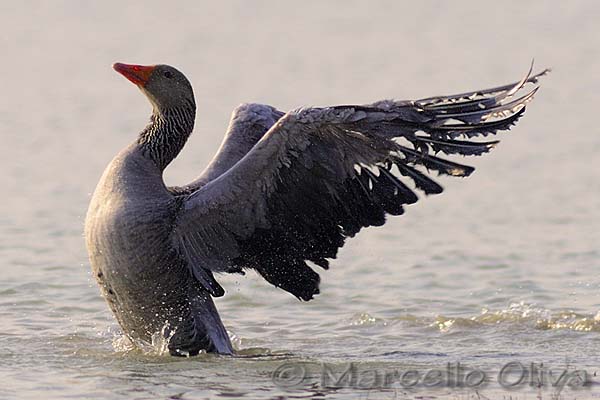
(283, 190)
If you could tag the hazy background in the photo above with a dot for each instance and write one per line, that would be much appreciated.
(503, 266)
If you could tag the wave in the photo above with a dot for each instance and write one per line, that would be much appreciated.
(527, 314)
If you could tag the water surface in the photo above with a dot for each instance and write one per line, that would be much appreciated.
(503, 267)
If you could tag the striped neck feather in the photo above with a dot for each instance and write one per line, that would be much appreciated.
(167, 133)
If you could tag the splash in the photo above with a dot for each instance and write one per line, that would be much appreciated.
(523, 313)
(159, 345)
(122, 344)
(365, 319)
(236, 341)
(160, 341)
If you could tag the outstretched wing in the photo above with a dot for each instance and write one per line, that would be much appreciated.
(319, 175)
(249, 122)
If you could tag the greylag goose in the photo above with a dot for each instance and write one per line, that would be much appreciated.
(284, 190)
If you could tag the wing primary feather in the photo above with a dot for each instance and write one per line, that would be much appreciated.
(408, 196)
(478, 104)
(469, 95)
(471, 130)
(462, 147)
(435, 163)
(422, 181)
(482, 115)
(386, 195)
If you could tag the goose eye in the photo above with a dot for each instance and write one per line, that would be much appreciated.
(168, 74)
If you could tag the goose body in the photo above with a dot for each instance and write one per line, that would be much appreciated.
(284, 189)
(144, 281)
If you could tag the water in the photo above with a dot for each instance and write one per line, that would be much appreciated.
(502, 267)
